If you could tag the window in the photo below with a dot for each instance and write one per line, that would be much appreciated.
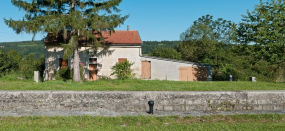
(120, 60)
(63, 63)
(92, 60)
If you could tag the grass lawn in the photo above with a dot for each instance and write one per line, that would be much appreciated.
(231, 122)
(12, 83)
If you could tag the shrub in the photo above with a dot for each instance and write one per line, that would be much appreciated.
(8, 62)
(29, 64)
(63, 74)
(123, 70)
(26, 66)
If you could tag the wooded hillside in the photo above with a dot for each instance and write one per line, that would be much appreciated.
(24, 47)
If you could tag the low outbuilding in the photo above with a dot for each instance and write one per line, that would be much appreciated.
(155, 68)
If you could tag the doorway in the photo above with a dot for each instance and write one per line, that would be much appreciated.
(92, 69)
(146, 72)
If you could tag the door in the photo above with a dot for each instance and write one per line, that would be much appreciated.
(199, 73)
(193, 74)
(185, 74)
(146, 73)
(92, 72)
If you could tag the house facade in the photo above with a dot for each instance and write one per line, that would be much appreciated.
(123, 45)
(96, 63)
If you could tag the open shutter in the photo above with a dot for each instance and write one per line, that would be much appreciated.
(63, 63)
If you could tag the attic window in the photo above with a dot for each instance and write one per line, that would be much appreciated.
(63, 64)
(120, 60)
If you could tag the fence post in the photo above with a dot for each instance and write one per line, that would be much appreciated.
(36, 76)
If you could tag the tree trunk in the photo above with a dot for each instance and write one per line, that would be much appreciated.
(76, 70)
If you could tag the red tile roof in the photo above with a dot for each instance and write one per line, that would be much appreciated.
(117, 37)
(122, 37)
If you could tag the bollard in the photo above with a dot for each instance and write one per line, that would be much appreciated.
(230, 78)
(252, 79)
(150, 103)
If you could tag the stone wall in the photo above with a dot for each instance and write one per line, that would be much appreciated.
(98, 102)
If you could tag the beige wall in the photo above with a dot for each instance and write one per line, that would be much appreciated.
(106, 58)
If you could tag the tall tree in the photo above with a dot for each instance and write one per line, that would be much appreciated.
(205, 28)
(69, 21)
(265, 27)
(203, 40)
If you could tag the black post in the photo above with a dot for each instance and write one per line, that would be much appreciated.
(150, 103)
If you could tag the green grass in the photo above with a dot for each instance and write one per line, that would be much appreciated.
(12, 83)
(231, 122)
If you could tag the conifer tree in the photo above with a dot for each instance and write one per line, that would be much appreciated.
(69, 21)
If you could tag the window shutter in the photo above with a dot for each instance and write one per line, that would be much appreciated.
(63, 63)
(120, 60)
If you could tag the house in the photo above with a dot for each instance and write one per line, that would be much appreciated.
(123, 45)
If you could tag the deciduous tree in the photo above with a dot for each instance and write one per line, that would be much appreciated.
(205, 39)
(265, 27)
(166, 53)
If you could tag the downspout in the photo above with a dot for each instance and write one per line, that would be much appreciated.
(140, 52)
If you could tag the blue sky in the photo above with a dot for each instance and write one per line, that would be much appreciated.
(154, 19)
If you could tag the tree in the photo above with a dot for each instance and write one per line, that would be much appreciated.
(9, 61)
(205, 39)
(205, 28)
(27, 66)
(70, 22)
(264, 26)
(166, 53)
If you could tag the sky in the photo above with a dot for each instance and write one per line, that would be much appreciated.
(155, 20)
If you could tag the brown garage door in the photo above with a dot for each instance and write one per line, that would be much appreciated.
(146, 73)
(193, 74)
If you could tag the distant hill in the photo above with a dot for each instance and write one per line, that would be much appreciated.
(24, 47)
(38, 47)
